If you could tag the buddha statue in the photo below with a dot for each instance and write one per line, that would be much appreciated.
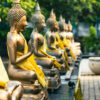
(39, 52)
(51, 37)
(22, 65)
(62, 33)
(70, 36)
(63, 27)
(62, 30)
(51, 41)
(9, 90)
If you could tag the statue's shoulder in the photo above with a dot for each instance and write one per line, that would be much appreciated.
(48, 33)
(12, 36)
(12, 39)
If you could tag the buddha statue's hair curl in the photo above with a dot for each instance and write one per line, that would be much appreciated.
(15, 13)
(51, 20)
(37, 16)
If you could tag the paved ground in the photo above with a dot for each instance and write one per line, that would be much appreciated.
(65, 92)
(90, 83)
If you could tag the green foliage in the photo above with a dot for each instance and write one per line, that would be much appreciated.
(91, 42)
(27, 33)
(74, 10)
(5, 5)
(93, 32)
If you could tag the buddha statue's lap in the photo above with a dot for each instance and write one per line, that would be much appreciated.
(21, 74)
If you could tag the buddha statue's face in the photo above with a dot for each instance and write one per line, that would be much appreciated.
(21, 24)
(62, 27)
(66, 27)
(69, 28)
(41, 24)
(55, 27)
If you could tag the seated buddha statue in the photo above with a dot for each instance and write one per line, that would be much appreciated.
(22, 65)
(51, 40)
(62, 32)
(70, 36)
(39, 52)
(66, 42)
(9, 90)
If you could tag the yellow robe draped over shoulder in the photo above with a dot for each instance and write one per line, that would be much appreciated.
(67, 41)
(30, 64)
(61, 45)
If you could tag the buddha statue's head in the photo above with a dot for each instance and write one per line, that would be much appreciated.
(52, 22)
(69, 26)
(66, 27)
(62, 24)
(17, 16)
(38, 20)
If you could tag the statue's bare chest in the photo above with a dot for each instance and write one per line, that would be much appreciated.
(20, 43)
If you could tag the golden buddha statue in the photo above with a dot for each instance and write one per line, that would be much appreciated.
(9, 90)
(39, 52)
(22, 65)
(70, 36)
(66, 35)
(51, 41)
(63, 27)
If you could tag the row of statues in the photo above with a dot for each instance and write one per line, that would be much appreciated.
(37, 65)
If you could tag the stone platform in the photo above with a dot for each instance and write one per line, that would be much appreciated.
(89, 82)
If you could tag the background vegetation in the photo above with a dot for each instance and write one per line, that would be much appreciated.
(75, 10)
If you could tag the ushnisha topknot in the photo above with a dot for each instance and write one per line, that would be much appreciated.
(52, 14)
(62, 19)
(15, 13)
(37, 16)
(69, 24)
(52, 19)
